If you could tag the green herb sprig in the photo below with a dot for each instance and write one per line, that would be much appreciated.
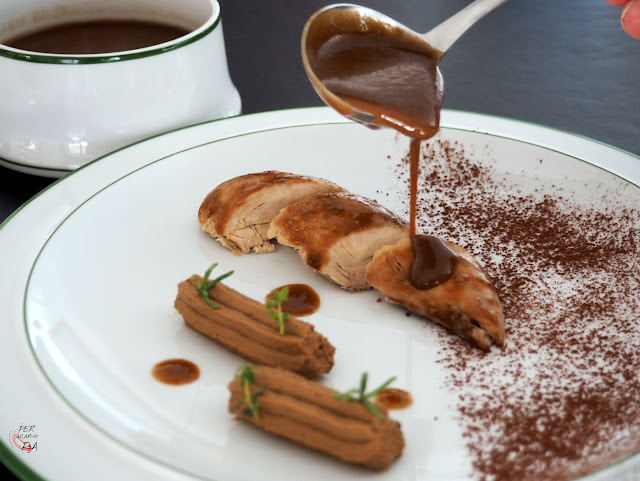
(248, 377)
(204, 286)
(359, 394)
(274, 306)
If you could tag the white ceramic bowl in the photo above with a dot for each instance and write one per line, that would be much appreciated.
(58, 112)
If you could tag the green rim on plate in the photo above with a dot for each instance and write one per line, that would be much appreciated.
(17, 466)
(14, 460)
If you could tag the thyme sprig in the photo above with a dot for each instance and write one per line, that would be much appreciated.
(204, 286)
(361, 395)
(248, 377)
(274, 306)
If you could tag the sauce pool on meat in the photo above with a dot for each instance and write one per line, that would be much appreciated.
(434, 262)
(393, 74)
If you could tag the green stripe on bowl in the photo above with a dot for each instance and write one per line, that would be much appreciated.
(34, 57)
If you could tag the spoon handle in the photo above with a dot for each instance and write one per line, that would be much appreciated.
(445, 34)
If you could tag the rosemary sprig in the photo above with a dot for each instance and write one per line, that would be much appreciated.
(204, 286)
(274, 306)
(359, 394)
(248, 377)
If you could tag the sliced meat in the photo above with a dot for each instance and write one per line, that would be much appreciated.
(237, 212)
(467, 303)
(243, 325)
(308, 413)
(336, 233)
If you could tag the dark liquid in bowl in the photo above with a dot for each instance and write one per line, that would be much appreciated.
(99, 36)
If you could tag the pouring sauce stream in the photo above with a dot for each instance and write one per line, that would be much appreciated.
(389, 77)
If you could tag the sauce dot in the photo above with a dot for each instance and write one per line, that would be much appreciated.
(393, 398)
(175, 372)
(302, 299)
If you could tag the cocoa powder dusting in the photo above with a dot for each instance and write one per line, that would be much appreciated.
(562, 398)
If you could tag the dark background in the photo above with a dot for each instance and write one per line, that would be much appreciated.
(561, 63)
(564, 64)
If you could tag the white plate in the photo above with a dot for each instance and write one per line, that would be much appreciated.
(89, 274)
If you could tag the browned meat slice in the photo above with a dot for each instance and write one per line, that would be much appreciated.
(337, 233)
(308, 413)
(238, 212)
(467, 303)
(244, 326)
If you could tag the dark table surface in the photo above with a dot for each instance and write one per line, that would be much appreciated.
(564, 64)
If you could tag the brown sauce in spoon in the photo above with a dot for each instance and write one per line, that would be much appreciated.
(375, 67)
(386, 70)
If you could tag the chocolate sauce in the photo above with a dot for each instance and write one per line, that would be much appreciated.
(385, 70)
(433, 261)
(414, 166)
(394, 398)
(97, 36)
(302, 299)
(175, 372)
(390, 72)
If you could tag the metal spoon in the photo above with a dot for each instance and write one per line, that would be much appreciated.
(331, 23)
